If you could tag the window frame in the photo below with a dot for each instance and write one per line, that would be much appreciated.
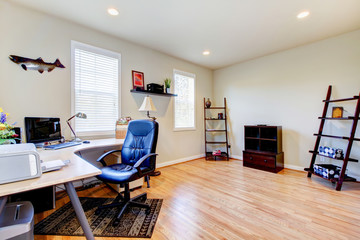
(105, 52)
(190, 75)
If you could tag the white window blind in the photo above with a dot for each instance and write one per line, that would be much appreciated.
(184, 109)
(95, 88)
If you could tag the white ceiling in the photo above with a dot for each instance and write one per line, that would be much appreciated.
(232, 30)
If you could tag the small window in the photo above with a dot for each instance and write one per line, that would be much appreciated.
(184, 109)
(95, 88)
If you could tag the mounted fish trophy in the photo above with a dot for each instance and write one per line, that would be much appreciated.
(37, 64)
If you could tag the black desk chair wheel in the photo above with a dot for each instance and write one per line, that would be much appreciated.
(138, 160)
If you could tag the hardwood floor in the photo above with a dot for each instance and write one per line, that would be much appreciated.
(224, 200)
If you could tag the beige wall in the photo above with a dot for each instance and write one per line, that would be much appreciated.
(28, 93)
(287, 89)
(284, 89)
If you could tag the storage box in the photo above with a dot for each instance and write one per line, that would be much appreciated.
(155, 88)
(121, 131)
(327, 151)
(327, 171)
(17, 221)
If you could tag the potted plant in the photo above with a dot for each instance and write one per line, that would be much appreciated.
(167, 83)
(7, 134)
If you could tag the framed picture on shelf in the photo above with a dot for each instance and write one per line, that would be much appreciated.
(138, 80)
(337, 112)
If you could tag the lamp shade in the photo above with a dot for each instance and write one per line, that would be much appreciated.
(147, 105)
(81, 115)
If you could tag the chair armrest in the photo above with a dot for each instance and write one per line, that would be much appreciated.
(141, 160)
(101, 158)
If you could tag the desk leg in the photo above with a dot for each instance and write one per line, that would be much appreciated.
(2, 202)
(79, 210)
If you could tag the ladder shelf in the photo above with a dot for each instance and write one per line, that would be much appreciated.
(220, 154)
(351, 138)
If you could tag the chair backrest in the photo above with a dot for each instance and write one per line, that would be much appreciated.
(141, 139)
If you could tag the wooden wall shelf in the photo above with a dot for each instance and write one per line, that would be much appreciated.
(153, 93)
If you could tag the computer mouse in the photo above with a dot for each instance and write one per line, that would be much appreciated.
(86, 141)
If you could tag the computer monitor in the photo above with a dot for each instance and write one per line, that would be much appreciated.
(42, 129)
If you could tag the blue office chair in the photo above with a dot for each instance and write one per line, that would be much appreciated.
(138, 160)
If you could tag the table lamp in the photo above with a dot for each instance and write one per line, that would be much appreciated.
(78, 115)
(148, 106)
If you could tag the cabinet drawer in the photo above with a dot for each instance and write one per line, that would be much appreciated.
(261, 160)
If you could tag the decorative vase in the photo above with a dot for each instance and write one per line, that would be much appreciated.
(208, 103)
(7, 141)
(167, 90)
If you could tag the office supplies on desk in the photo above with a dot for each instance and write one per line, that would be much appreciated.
(18, 162)
(61, 145)
(53, 165)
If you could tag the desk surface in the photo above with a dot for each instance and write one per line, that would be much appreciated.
(76, 170)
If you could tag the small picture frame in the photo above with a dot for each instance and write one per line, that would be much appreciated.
(337, 112)
(138, 80)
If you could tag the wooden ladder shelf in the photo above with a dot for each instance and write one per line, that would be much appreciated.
(224, 155)
(342, 177)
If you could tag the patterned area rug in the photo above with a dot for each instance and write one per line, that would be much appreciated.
(134, 222)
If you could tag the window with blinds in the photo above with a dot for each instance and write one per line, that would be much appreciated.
(184, 103)
(95, 89)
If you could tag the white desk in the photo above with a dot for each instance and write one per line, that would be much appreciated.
(76, 170)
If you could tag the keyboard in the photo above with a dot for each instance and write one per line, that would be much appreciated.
(61, 145)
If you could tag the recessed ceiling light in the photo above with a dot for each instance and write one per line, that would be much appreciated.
(206, 52)
(303, 14)
(113, 11)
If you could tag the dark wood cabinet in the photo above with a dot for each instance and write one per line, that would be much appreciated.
(263, 148)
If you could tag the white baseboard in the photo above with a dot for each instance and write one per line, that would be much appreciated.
(181, 160)
(288, 166)
(353, 174)
(236, 157)
(293, 167)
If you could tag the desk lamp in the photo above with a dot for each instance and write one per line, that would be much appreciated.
(148, 106)
(78, 115)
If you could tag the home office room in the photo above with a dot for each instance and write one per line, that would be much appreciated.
(179, 120)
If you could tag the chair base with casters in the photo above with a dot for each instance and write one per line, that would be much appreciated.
(122, 171)
(124, 202)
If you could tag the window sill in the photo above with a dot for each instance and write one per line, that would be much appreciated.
(95, 134)
(183, 129)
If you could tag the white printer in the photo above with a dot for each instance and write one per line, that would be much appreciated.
(19, 162)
